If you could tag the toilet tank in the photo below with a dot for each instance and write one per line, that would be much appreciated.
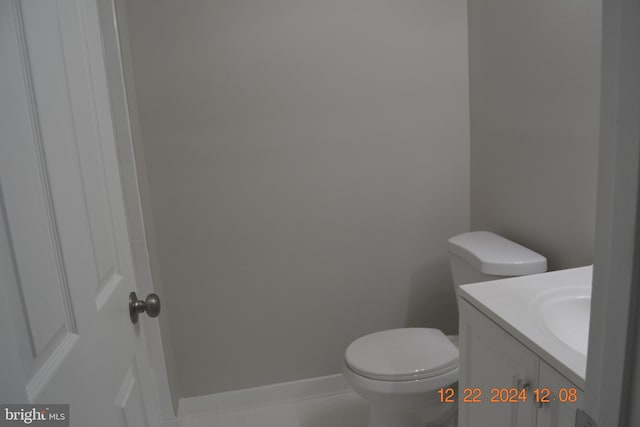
(479, 256)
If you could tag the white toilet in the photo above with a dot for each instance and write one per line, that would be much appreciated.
(399, 371)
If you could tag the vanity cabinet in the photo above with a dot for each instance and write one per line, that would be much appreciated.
(494, 365)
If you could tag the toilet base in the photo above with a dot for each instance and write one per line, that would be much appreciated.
(414, 403)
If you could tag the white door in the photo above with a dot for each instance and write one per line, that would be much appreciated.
(65, 263)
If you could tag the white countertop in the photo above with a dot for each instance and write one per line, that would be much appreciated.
(513, 304)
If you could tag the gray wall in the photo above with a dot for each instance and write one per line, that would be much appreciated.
(307, 161)
(534, 90)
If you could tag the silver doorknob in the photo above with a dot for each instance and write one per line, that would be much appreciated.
(151, 305)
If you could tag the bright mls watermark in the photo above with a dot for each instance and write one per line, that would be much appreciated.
(36, 415)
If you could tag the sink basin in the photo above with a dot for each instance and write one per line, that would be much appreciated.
(548, 312)
(565, 314)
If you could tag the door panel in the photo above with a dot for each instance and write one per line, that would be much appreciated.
(129, 400)
(491, 358)
(65, 218)
(561, 410)
(32, 128)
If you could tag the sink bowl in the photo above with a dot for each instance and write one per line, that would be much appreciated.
(565, 314)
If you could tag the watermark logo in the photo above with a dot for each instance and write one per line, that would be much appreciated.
(36, 415)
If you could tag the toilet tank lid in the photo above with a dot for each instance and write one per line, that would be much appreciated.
(495, 255)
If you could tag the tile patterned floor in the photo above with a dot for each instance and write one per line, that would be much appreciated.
(338, 410)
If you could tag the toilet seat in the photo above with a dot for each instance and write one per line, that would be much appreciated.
(406, 354)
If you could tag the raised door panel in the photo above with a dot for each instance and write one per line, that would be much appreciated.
(490, 359)
(564, 399)
(36, 129)
(129, 401)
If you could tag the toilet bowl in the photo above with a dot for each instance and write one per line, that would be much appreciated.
(400, 371)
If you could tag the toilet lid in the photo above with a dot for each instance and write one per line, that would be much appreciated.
(402, 354)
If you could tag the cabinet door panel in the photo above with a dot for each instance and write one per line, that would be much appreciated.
(491, 358)
(560, 411)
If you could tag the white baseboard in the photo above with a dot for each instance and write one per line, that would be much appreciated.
(265, 395)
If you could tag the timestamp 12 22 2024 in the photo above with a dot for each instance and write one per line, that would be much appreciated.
(508, 395)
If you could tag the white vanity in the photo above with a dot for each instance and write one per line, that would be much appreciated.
(523, 350)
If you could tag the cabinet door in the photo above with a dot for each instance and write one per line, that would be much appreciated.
(490, 358)
(560, 411)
